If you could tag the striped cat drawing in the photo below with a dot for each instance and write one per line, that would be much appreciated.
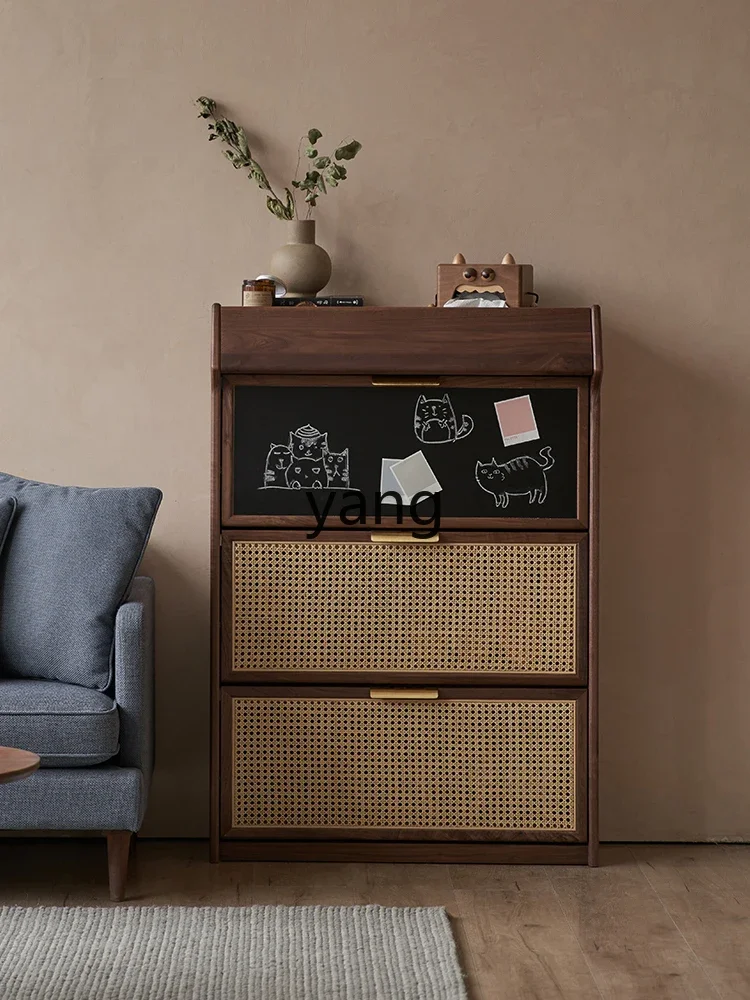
(522, 476)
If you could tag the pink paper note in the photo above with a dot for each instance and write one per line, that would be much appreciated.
(517, 420)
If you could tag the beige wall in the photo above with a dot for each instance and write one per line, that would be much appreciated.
(604, 141)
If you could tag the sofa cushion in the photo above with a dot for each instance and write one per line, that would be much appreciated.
(7, 510)
(66, 567)
(67, 725)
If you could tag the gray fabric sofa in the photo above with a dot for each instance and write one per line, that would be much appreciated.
(96, 747)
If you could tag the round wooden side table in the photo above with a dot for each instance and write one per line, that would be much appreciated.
(16, 764)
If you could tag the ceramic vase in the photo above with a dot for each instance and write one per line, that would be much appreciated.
(303, 266)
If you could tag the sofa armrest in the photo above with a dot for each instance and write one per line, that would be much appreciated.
(134, 676)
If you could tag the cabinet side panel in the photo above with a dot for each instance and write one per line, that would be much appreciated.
(215, 571)
(593, 555)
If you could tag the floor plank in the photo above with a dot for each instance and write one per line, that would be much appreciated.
(738, 860)
(517, 942)
(632, 945)
(653, 922)
(707, 895)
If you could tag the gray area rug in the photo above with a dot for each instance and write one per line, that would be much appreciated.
(228, 953)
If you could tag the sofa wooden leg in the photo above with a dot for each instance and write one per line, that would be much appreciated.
(118, 852)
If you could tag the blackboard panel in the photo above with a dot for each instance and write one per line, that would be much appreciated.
(378, 423)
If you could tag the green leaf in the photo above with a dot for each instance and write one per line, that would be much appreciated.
(277, 208)
(310, 181)
(313, 135)
(242, 142)
(257, 174)
(311, 152)
(348, 151)
(322, 162)
(227, 130)
(206, 106)
(289, 203)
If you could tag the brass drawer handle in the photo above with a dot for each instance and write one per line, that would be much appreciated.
(399, 536)
(406, 380)
(413, 694)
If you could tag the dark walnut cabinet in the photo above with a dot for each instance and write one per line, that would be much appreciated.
(399, 676)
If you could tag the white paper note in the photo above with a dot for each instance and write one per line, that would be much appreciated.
(389, 483)
(414, 475)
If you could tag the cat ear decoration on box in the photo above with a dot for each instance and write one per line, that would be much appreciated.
(485, 285)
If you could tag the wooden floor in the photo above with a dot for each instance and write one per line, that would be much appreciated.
(653, 921)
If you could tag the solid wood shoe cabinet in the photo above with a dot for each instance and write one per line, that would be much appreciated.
(399, 677)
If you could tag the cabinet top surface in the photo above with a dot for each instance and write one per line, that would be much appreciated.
(406, 340)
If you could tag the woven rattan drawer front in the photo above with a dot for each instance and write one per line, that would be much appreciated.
(462, 764)
(464, 608)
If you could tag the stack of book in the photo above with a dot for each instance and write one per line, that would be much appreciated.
(322, 300)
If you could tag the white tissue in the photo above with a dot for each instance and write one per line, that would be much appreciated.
(476, 302)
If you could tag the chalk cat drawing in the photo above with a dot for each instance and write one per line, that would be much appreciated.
(278, 460)
(519, 477)
(435, 421)
(306, 474)
(308, 443)
(337, 468)
(306, 463)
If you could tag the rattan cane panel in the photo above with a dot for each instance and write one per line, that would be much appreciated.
(367, 606)
(449, 765)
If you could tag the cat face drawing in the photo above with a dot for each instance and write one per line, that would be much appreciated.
(306, 474)
(435, 421)
(522, 476)
(337, 467)
(308, 443)
(278, 460)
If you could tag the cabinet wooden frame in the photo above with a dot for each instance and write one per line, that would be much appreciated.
(401, 677)
(230, 519)
(394, 851)
(592, 857)
(283, 346)
(463, 836)
(405, 340)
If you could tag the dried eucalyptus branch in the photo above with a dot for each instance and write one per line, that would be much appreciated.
(325, 172)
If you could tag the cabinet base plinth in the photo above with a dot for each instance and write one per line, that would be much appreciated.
(413, 853)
